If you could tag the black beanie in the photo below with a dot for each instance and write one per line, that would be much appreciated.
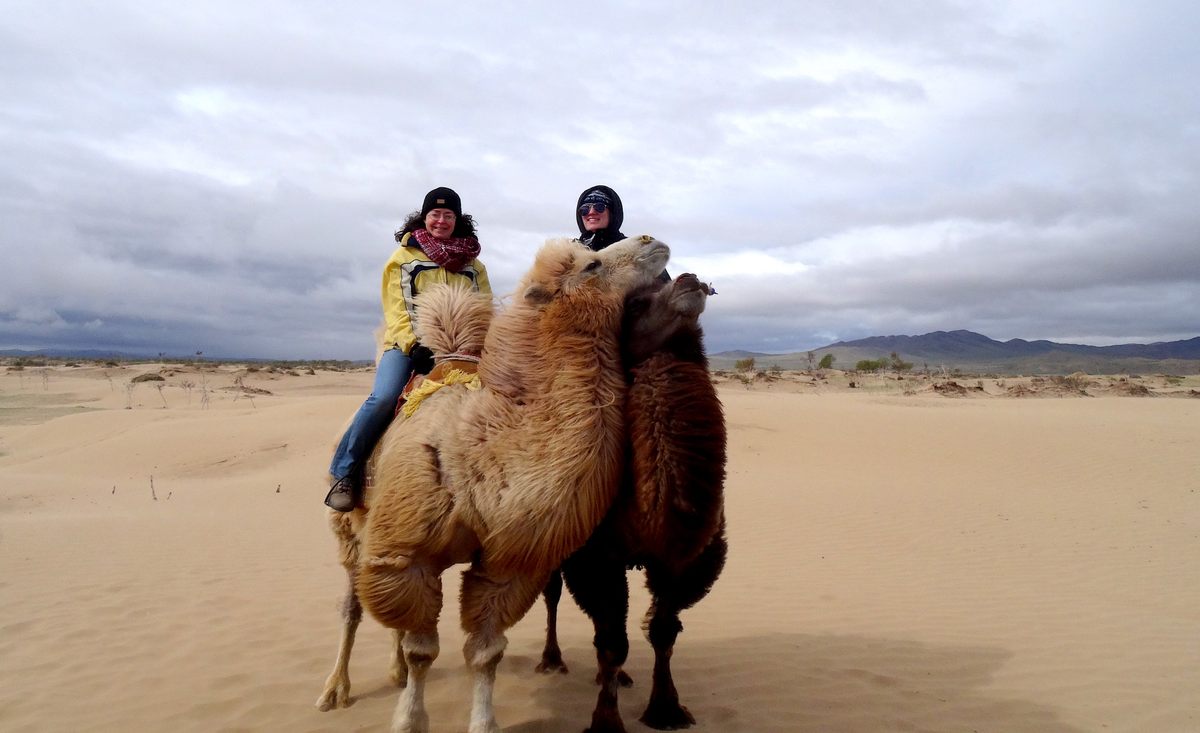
(442, 198)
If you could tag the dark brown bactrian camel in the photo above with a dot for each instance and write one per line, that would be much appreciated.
(510, 476)
(669, 517)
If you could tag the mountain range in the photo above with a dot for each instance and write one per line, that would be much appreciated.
(940, 350)
(970, 351)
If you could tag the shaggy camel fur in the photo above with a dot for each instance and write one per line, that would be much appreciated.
(511, 477)
(669, 517)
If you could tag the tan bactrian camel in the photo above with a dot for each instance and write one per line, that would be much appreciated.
(511, 477)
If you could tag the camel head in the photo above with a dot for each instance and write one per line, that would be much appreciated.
(567, 269)
(569, 303)
(659, 316)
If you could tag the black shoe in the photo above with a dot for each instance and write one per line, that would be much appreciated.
(343, 495)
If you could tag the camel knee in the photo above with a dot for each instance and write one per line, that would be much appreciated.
(482, 651)
(612, 646)
(351, 608)
(419, 650)
(662, 631)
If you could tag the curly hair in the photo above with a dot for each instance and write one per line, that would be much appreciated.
(464, 226)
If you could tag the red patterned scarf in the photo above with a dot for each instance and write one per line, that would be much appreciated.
(453, 254)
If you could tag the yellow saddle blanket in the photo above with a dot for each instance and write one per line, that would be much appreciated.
(451, 371)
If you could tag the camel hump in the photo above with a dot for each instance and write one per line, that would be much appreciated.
(452, 319)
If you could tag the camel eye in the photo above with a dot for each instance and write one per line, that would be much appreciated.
(591, 266)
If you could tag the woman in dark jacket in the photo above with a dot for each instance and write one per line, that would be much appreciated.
(599, 214)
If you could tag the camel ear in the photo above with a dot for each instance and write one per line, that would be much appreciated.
(538, 294)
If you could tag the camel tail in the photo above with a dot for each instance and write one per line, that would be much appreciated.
(452, 319)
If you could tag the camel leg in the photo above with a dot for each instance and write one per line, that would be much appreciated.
(551, 655)
(490, 606)
(405, 595)
(419, 651)
(398, 669)
(599, 586)
(674, 592)
(337, 686)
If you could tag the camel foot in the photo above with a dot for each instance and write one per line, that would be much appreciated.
(335, 696)
(552, 663)
(608, 721)
(667, 716)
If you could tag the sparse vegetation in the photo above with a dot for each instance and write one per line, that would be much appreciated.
(898, 364)
(827, 361)
(744, 365)
(148, 377)
(871, 365)
(1073, 382)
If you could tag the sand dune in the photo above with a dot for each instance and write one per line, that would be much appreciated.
(900, 559)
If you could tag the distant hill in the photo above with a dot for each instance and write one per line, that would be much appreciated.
(962, 350)
(970, 351)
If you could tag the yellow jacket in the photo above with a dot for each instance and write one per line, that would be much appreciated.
(409, 272)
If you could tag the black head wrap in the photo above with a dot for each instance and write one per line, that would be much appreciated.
(600, 239)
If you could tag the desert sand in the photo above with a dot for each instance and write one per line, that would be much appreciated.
(903, 556)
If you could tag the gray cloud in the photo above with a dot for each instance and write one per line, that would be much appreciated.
(227, 177)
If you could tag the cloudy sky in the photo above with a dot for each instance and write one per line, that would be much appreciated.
(226, 176)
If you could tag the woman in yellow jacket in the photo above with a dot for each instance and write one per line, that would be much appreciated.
(438, 244)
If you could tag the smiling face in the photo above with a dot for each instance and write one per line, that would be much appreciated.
(440, 223)
(594, 221)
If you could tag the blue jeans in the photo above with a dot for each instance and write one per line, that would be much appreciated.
(373, 418)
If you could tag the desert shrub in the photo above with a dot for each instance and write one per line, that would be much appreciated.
(148, 378)
(827, 361)
(1073, 382)
(871, 365)
(744, 365)
(899, 364)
